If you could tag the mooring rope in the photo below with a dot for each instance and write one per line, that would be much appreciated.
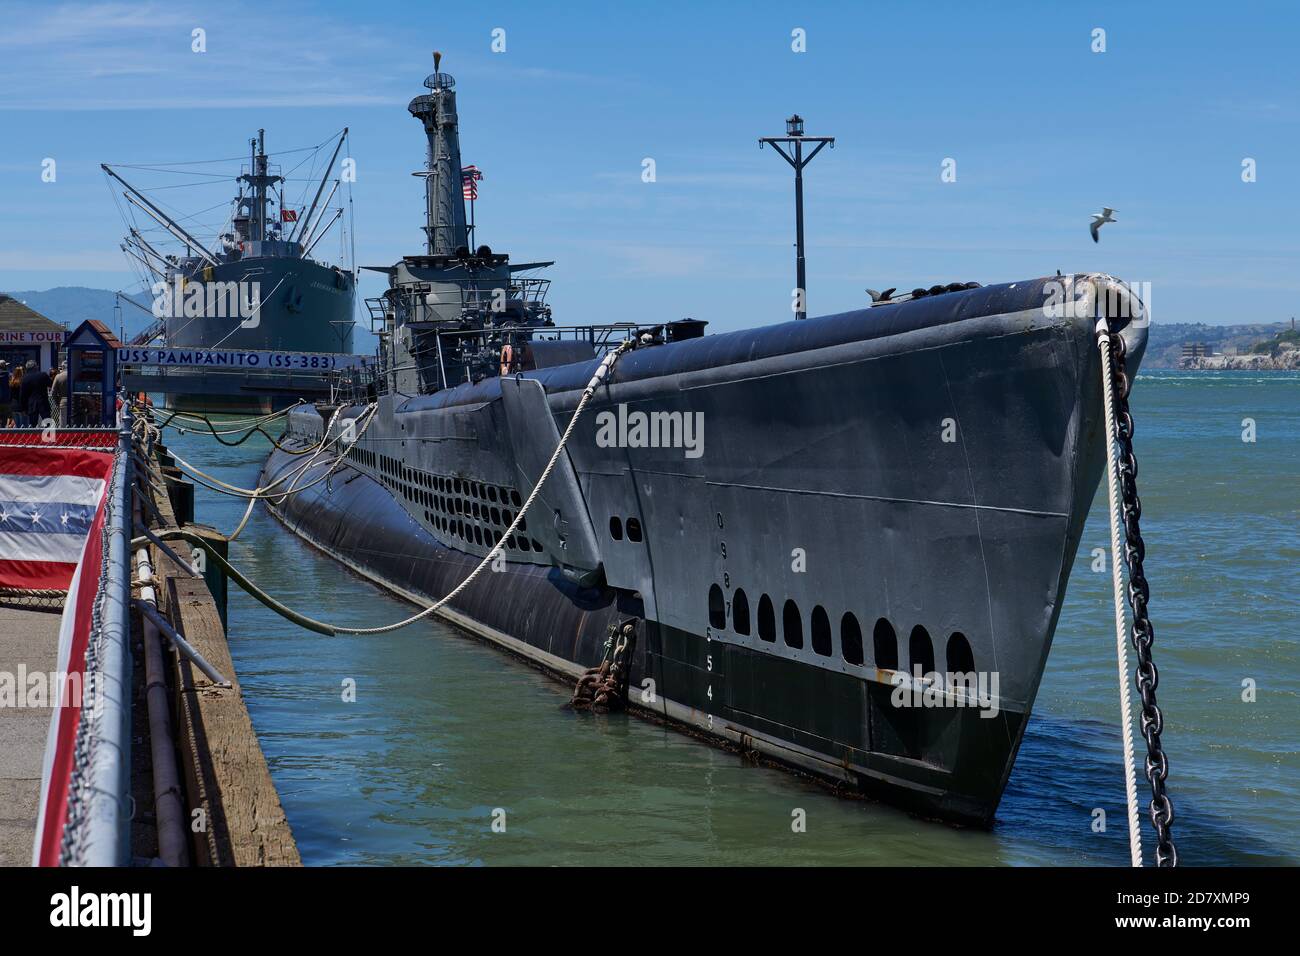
(321, 627)
(249, 429)
(1117, 581)
(255, 430)
(602, 370)
(329, 426)
(236, 423)
(254, 498)
(248, 513)
(213, 483)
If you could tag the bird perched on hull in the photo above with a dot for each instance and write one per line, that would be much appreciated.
(880, 296)
(1099, 219)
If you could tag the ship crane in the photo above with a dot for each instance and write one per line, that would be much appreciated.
(301, 231)
(307, 233)
(138, 246)
(142, 241)
(123, 297)
(338, 214)
(131, 251)
(141, 202)
(190, 243)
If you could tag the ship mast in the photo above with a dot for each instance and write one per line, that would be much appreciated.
(259, 181)
(444, 202)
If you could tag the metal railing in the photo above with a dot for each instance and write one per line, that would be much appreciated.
(97, 825)
(454, 301)
(436, 350)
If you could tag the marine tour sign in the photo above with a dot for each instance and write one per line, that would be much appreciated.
(31, 338)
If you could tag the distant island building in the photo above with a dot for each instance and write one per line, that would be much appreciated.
(26, 334)
(1195, 350)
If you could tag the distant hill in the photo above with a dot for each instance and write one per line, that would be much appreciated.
(72, 305)
(1166, 339)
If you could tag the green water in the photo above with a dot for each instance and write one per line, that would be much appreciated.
(444, 731)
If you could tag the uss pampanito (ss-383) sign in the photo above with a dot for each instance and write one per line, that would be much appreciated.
(240, 359)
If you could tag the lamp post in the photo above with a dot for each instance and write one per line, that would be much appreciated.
(794, 138)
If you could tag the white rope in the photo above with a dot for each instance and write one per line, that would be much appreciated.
(202, 427)
(601, 371)
(1117, 580)
(238, 424)
(257, 494)
(143, 424)
(329, 426)
(212, 483)
(248, 513)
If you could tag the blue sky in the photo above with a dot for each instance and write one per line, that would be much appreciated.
(1044, 132)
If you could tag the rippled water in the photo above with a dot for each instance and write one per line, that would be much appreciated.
(445, 730)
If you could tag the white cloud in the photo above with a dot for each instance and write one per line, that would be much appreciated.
(110, 56)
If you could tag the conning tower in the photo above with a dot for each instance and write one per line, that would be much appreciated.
(444, 202)
(457, 314)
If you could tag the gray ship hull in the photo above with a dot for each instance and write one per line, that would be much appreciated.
(878, 492)
(305, 307)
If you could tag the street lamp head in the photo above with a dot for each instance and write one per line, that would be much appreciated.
(794, 125)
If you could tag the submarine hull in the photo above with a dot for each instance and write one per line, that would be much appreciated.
(873, 506)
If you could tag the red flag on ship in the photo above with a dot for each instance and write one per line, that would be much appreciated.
(288, 215)
(469, 177)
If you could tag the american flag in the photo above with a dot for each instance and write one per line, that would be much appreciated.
(53, 513)
(49, 501)
(469, 177)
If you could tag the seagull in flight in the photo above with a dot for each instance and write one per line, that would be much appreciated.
(1099, 219)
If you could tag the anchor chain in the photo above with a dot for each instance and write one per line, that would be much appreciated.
(604, 688)
(1139, 596)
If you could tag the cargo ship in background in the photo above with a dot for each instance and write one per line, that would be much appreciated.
(870, 500)
(261, 289)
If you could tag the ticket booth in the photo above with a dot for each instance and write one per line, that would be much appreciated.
(92, 375)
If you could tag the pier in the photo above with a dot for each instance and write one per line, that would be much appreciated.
(124, 735)
(31, 638)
